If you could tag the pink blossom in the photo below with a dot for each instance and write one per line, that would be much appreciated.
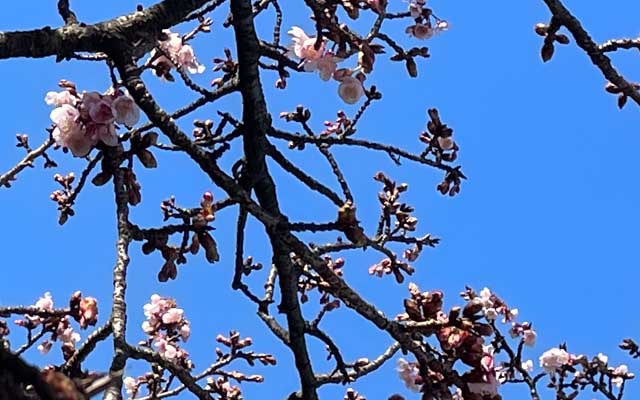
(415, 8)
(350, 90)
(491, 314)
(147, 327)
(304, 46)
(127, 112)
(186, 58)
(154, 307)
(486, 297)
(172, 316)
(102, 112)
(45, 346)
(441, 26)
(66, 334)
(603, 358)
(325, 65)
(59, 98)
(185, 332)
(178, 52)
(170, 352)
(553, 359)
(88, 100)
(620, 373)
(166, 349)
(529, 337)
(45, 302)
(488, 384)
(420, 31)
(69, 132)
(102, 132)
(130, 384)
(445, 143)
(408, 374)
(527, 365)
(88, 311)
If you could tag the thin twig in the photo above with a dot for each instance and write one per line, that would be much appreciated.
(10, 175)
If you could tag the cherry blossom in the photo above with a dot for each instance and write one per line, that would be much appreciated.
(179, 54)
(127, 112)
(527, 365)
(172, 316)
(603, 358)
(486, 382)
(45, 346)
(529, 337)
(88, 311)
(408, 373)
(187, 59)
(325, 65)
(420, 31)
(166, 326)
(89, 118)
(350, 90)
(552, 359)
(304, 47)
(100, 109)
(131, 385)
(45, 302)
(59, 98)
(620, 373)
(69, 132)
(416, 7)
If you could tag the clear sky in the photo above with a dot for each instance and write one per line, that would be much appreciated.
(548, 218)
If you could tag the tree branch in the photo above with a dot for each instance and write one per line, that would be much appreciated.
(10, 175)
(140, 27)
(119, 308)
(586, 43)
(65, 12)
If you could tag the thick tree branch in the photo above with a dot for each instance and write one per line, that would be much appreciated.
(140, 27)
(257, 123)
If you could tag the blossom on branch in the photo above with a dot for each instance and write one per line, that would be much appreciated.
(173, 51)
(82, 120)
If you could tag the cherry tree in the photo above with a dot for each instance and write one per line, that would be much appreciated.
(468, 351)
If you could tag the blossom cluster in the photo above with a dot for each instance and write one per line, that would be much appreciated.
(173, 51)
(314, 56)
(424, 27)
(163, 311)
(84, 310)
(82, 120)
(166, 326)
(558, 360)
(461, 335)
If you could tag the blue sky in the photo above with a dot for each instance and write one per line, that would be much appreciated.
(548, 218)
